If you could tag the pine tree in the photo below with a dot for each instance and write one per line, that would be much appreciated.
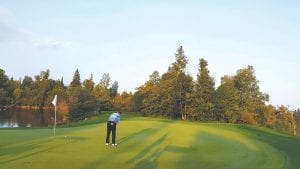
(75, 98)
(5, 99)
(227, 101)
(175, 85)
(204, 92)
(76, 79)
(150, 95)
(114, 89)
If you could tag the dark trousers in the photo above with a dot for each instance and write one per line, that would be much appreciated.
(111, 127)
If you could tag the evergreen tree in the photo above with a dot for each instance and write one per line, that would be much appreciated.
(204, 93)
(3, 79)
(173, 87)
(76, 79)
(62, 84)
(150, 95)
(187, 91)
(42, 87)
(27, 94)
(114, 89)
(5, 98)
(166, 89)
(17, 93)
(75, 98)
(178, 74)
(227, 101)
(137, 101)
(87, 104)
(27, 82)
(88, 100)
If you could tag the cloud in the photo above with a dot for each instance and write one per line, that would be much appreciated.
(14, 35)
(53, 44)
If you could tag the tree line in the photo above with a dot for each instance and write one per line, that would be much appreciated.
(173, 94)
(237, 99)
(76, 101)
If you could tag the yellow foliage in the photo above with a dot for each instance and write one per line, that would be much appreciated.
(63, 110)
(249, 118)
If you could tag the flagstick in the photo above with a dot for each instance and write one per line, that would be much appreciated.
(54, 121)
(54, 102)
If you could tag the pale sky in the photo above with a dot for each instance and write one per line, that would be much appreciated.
(130, 39)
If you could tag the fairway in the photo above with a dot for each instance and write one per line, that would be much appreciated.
(150, 143)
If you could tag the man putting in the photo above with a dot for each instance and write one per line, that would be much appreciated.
(112, 122)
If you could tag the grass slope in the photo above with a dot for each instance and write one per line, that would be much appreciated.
(150, 143)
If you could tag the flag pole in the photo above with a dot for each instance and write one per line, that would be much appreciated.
(54, 102)
(54, 121)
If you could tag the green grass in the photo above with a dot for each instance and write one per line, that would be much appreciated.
(149, 143)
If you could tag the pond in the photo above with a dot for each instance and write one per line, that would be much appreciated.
(13, 118)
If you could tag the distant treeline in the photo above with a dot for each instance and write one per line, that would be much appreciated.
(238, 99)
(174, 94)
(76, 101)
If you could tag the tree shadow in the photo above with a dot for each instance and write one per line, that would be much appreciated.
(21, 151)
(73, 138)
(142, 132)
(144, 152)
(139, 135)
(151, 161)
(20, 147)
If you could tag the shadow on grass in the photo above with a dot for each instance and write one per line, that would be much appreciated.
(20, 147)
(21, 151)
(143, 134)
(72, 138)
(137, 139)
(144, 131)
(205, 152)
(139, 157)
(150, 162)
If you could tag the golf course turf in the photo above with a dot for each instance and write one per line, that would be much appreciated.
(150, 143)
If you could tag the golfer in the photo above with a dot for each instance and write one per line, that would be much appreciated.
(112, 122)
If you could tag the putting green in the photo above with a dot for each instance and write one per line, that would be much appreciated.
(149, 143)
